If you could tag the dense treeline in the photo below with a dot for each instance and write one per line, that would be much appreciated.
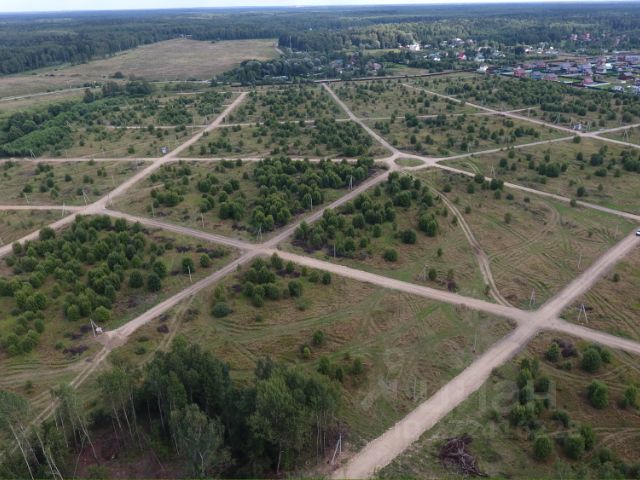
(33, 41)
(185, 404)
(33, 132)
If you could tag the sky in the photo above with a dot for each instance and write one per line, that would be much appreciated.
(7, 6)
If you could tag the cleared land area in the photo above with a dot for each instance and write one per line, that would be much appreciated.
(445, 135)
(16, 224)
(387, 98)
(408, 347)
(403, 233)
(287, 104)
(592, 170)
(178, 59)
(41, 183)
(583, 440)
(613, 304)
(535, 245)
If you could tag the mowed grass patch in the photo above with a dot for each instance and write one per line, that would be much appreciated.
(408, 346)
(15, 224)
(248, 200)
(536, 246)
(613, 304)
(298, 102)
(178, 59)
(592, 170)
(41, 183)
(446, 135)
(506, 450)
(397, 229)
(384, 99)
(324, 138)
(46, 304)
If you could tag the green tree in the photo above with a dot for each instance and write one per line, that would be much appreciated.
(187, 265)
(574, 446)
(154, 284)
(200, 439)
(591, 360)
(136, 280)
(553, 353)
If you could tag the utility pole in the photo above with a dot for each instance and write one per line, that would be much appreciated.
(190, 279)
(579, 260)
(532, 300)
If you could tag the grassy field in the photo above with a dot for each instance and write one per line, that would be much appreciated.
(631, 135)
(447, 135)
(506, 451)
(409, 346)
(325, 138)
(613, 304)
(40, 183)
(64, 346)
(178, 59)
(18, 223)
(387, 98)
(287, 104)
(532, 243)
(607, 184)
(7, 107)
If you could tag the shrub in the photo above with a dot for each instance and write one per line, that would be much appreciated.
(295, 288)
(102, 314)
(205, 261)
(318, 338)
(574, 446)
(357, 368)
(221, 310)
(542, 448)
(136, 280)
(326, 278)
(598, 395)
(542, 385)
(630, 397)
(409, 236)
(589, 436)
(591, 360)
(154, 284)
(553, 354)
(390, 255)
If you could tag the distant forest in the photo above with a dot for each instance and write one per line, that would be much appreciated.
(30, 41)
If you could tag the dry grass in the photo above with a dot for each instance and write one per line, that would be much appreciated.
(613, 306)
(543, 246)
(96, 179)
(506, 452)
(18, 223)
(410, 346)
(177, 59)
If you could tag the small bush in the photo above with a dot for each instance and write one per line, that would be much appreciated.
(221, 310)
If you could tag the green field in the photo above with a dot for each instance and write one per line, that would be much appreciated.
(409, 346)
(592, 170)
(41, 183)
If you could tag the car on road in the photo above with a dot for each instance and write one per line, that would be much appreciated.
(638, 233)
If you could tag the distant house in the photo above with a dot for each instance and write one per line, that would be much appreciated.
(462, 56)
(626, 76)
(552, 77)
(414, 47)
(482, 69)
(586, 81)
(535, 75)
(585, 68)
(519, 72)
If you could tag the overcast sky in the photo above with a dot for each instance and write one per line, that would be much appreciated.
(67, 5)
